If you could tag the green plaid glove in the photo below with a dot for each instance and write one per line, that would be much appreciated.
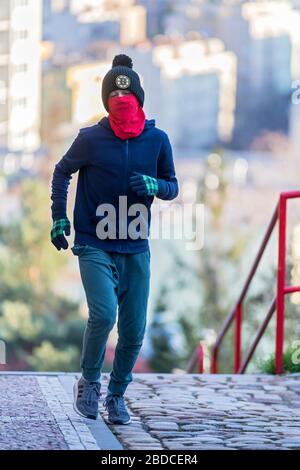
(60, 228)
(143, 185)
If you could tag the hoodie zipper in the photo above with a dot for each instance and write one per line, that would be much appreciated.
(126, 167)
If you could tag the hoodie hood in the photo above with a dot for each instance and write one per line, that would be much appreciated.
(149, 123)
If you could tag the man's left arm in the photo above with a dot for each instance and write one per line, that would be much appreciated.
(166, 177)
(165, 185)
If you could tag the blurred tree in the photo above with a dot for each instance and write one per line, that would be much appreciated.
(219, 259)
(173, 329)
(163, 357)
(48, 357)
(33, 319)
(220, 268)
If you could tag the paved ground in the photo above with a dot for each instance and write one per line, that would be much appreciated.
(182, 411)
(23, 409)
(36, 412)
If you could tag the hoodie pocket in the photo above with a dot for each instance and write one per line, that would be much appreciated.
(79, 249)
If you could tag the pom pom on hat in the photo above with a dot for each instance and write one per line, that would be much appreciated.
(122, 59)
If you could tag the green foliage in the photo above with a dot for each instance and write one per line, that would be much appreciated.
(18, 323)
(164, 356)
(172, 337)
(48, 357)
(291, 362)
(26, 255)
(218, 281)
(35, 323)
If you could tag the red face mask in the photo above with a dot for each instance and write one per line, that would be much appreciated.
(126, 116)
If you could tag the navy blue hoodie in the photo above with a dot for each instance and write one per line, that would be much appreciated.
(105, 163)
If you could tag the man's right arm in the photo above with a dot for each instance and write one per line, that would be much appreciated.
(75, 157)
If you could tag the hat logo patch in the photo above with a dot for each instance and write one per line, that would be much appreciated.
(122, 81)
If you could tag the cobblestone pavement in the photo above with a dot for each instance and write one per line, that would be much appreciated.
(26, 422)
(74, 428)
(187, 411)
(169, 411)
(36, 412)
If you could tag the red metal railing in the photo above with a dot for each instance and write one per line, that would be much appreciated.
(278, 303)
(197, 358)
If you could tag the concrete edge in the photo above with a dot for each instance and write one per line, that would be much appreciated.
(104, 437)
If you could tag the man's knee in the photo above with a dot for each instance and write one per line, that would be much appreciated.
(131, 341)
(102, 322)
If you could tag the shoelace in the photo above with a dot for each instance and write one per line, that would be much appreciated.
(116, 401)
(89, 390)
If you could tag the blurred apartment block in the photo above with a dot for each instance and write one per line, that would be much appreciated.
(271, 62)
(20, 84)
(84, 82)
(129, 18)
(265, 36)
(157, 10)
(198, 91)
(230, 71)
(92, 26)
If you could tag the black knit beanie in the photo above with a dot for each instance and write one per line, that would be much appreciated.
(122, 77)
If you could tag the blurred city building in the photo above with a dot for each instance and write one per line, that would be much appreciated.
(198, 91)
(268, 50)
(265, 36)
(88, 23)
(85, 82)
(20, 83)
(156, 10)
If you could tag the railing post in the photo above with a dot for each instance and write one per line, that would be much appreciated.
(238, 337)
(280, 298)
(200, 356)
(214, 361)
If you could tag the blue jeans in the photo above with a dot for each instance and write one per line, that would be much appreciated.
(113, 282)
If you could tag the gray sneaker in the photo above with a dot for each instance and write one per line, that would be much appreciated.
(117, 411)
(86, 398)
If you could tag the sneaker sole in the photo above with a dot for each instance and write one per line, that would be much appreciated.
(118, 422)
(75, 392)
